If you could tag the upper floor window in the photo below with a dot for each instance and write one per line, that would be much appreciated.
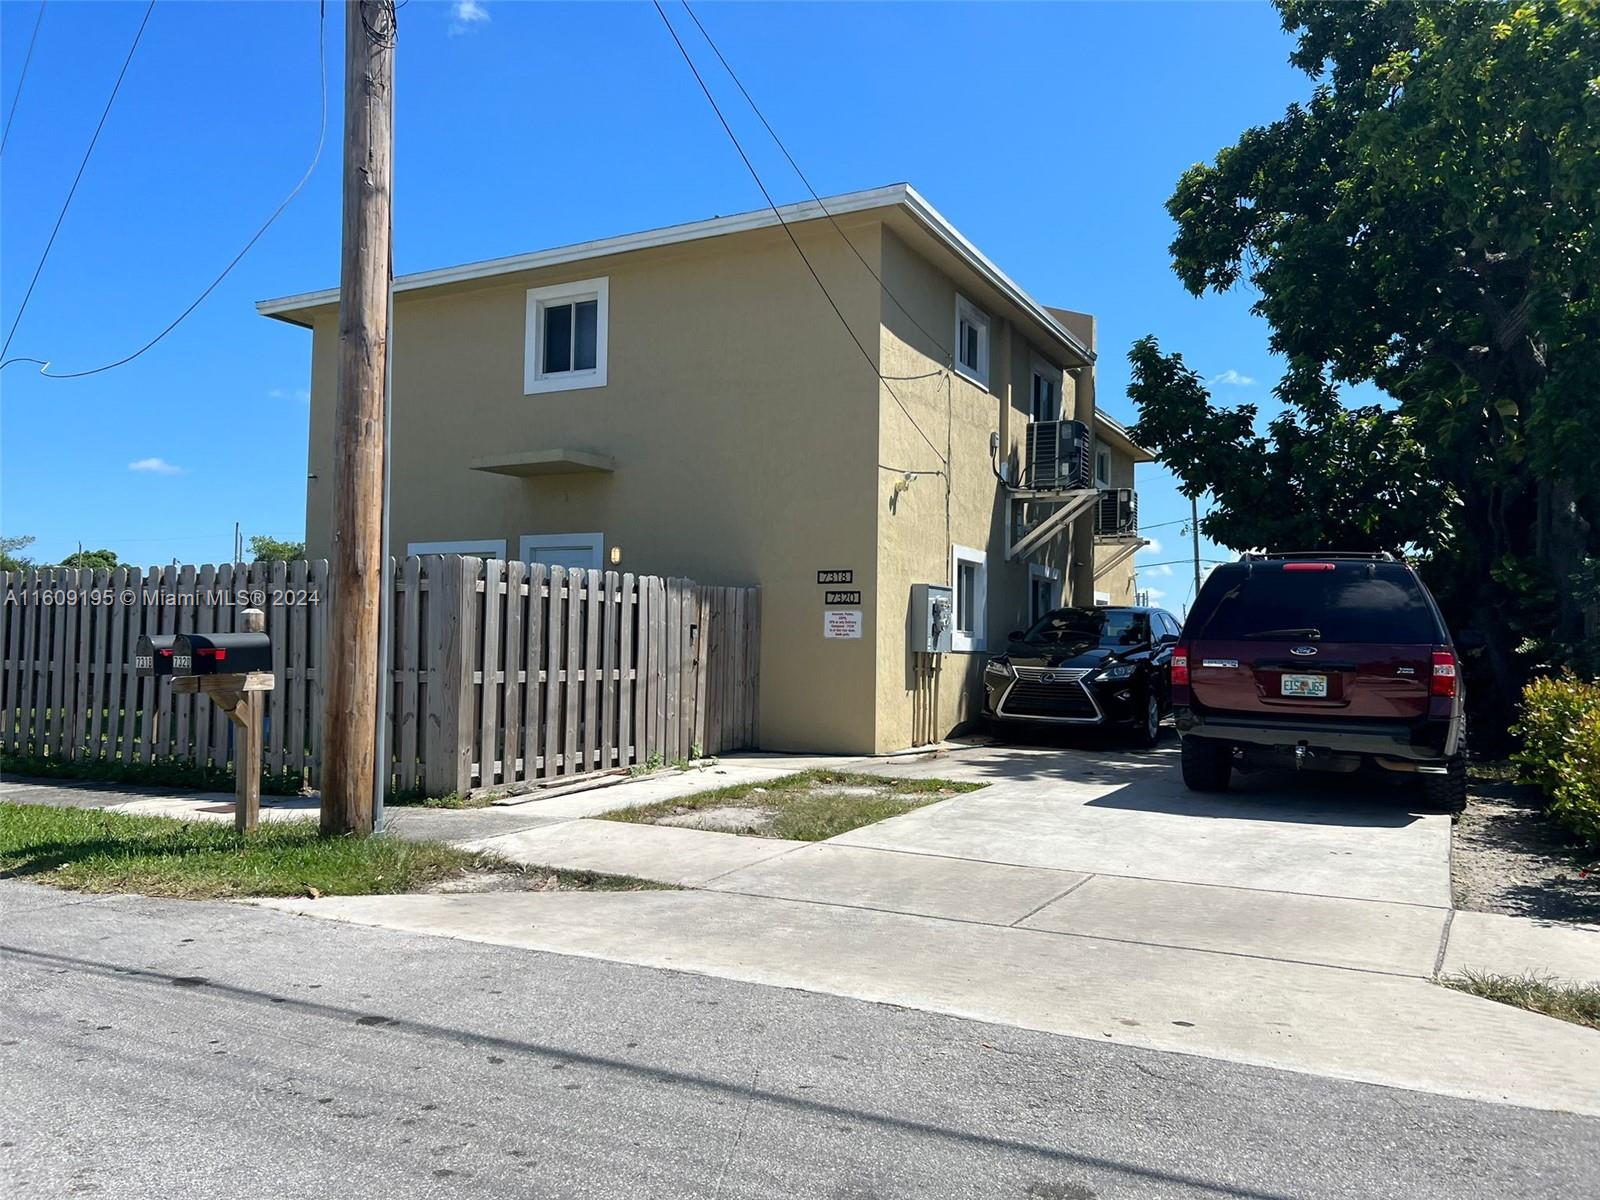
(972, 341)
(566, 337)
(1045, 403)
(1102, 468)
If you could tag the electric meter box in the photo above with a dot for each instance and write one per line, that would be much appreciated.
(933, 615)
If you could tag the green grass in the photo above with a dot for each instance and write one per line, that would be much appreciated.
(810, 805)
(453, 800)
(94, 851)
(161, 772)
(1579, 1004)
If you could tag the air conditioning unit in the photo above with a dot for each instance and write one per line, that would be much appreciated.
(1058, 455)
(1117, 513)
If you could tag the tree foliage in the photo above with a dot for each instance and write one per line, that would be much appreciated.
(10, 558)
(270, 549)
(1429, 220)
(93, 560)
(1322, 476)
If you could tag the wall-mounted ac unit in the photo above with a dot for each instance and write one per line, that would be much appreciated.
(1058, 455)
(1117, 514)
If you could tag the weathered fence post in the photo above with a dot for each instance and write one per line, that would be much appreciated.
(452, 595)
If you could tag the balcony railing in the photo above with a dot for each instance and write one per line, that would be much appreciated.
(1117, 513)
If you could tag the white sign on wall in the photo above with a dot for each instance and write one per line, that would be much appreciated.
(841, 623)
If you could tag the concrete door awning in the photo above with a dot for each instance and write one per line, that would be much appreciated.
(528, 463)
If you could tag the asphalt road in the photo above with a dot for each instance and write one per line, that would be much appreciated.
(157, 1048)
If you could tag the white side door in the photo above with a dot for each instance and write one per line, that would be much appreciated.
(571, 550)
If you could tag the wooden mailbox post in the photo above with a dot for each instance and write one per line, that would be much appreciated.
(242, 695)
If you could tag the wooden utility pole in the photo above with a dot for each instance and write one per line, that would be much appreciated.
(1194, 532)
(349, 713)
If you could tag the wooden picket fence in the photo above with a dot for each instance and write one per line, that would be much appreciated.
(68, 688)
(503, 674)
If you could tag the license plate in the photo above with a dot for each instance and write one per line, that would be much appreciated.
(1305, 685)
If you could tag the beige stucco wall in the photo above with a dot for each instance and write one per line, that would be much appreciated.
(742, 420)
(752, 444)
(1113, 558)
(913, 542)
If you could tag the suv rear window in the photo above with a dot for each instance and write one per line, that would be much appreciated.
(1354, 602)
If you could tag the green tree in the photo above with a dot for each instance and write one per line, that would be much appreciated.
(271, 549)
(1427, 221)
(10, 559)
(1322, 476)
(93, 560)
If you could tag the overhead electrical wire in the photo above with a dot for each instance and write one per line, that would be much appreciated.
(754, 174)
(16, 97)
(773, 133)
(316, 157)
(76, 179)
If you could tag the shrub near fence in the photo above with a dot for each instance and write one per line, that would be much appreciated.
(1560, 732)
(502, 674)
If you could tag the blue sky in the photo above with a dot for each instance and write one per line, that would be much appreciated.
(1051, 134)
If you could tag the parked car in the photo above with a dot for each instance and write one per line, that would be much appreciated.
(1086, 666)
(1320, 661)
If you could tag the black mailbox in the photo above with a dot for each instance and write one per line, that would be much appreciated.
(153, 655)
(221, 653)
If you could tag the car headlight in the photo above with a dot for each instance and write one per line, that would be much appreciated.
(999, 666)
(1117, 671)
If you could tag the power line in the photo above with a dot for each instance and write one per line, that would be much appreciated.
(796, 166)
(16, 97)
(754, 174)
(316, 157)
(1172, 562)
(76, 179)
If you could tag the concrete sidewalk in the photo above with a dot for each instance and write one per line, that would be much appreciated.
(1292, 923)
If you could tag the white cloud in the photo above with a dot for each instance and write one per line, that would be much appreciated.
(1159, 571)
(155, 466)
(1153, 548)
(301, 395)
(1233, 378)
(465, 15)
(1154, 595)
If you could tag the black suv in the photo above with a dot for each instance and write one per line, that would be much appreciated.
(1322, 661)
(1086, 666)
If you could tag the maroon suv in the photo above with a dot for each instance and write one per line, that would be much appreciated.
(1319, 661)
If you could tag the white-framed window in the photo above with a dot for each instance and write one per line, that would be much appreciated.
(1102, 467)
(482, 547)
(566, 337)
(969, 573)
(1045, 399)
(1044, 590)
(572, 550)
(972, 341)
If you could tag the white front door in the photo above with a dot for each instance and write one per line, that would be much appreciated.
(571, 550)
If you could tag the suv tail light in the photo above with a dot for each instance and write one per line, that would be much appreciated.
(1444, 674)
(1180, 666)
(1307, 566)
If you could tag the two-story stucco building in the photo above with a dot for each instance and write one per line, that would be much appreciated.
(686, 401)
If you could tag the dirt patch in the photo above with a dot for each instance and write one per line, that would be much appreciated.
(510, 877)
(807, 807)
(1508, 857)
(724, 818)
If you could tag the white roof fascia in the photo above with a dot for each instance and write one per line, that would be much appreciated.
(901, 194)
